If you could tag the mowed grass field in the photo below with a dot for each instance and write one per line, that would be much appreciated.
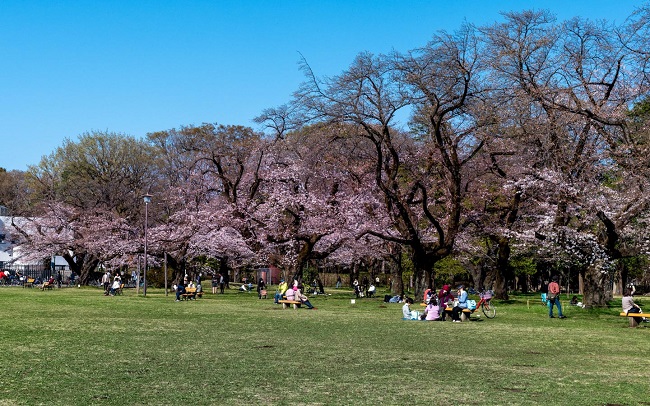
(77, 347)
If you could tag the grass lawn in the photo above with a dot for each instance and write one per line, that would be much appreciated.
(77, 347)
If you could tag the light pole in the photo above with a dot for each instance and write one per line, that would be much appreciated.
(147, 200)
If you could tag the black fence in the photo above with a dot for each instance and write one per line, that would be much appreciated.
(18, 274)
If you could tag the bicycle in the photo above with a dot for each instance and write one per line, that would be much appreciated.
(485, 304)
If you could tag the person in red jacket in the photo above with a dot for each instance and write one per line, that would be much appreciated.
(553, 297)
(445, 296)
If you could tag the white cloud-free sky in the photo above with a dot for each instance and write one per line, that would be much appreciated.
(134, 67)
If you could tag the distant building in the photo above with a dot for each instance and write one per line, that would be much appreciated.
(10, 261)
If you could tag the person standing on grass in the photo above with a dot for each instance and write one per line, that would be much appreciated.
(260, 287)
(544, 292)
(364, 285)
(215, 283)
(106, 281)
(553, 297)
(222, 282)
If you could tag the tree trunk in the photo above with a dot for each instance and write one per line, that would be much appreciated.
(396, 281)
(477, 272)
(596, 289)
(354, 274)
(82, 265)
(423, 281)
(581, 283)
(321, 288)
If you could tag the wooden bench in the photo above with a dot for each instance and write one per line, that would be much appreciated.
(464, 316)
(286, 303)
(191, 293)
(633, 316)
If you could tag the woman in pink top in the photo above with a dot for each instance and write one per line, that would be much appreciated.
(432, 311)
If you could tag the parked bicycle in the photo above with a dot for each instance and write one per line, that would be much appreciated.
(485, 304)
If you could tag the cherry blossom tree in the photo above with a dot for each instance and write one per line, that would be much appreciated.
(212, 178)
(86, 198)
(578, 79)
(420, 179)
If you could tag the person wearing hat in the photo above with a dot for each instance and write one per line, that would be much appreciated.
(282, 288)
(462, 304)
(444, 297)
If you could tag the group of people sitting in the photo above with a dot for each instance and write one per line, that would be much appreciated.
(366, 288)
(294, 293)
(111, 289)
(181, 289)
(437, 305)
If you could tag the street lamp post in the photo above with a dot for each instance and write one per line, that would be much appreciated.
(147, 200)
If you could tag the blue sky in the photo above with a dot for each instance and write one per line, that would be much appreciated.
(133, 67)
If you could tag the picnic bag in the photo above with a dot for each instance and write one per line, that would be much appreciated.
(471, 304)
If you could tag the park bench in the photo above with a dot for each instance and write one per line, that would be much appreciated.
(632, 316)
(191, 293)
(29, 283)
(286, 303)
(464, 316)
(47, 286)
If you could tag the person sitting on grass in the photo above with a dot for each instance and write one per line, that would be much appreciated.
(406, 309)
(575, 302)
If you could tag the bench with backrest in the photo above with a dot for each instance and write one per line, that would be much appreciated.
(633, 317)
